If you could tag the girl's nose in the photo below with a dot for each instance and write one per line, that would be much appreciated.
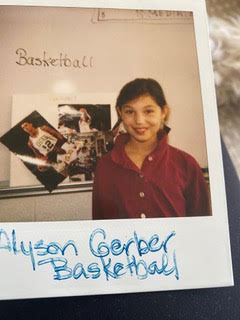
(139, 118)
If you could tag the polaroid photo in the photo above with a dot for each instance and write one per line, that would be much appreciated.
(156, 215)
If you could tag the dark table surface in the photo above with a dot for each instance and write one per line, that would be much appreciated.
(216, 303)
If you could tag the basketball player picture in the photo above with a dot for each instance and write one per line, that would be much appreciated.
(41, 148)
(45, 142)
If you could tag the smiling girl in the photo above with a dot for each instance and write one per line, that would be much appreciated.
(143, 176)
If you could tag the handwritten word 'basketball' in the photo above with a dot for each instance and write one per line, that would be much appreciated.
(46, 61)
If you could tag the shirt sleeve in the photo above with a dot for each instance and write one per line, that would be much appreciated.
(197, 193)
(97, 210)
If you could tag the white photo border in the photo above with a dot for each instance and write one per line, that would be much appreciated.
(201, 243)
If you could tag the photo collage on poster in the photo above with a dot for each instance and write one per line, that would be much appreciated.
(87, 131)
(68, 154)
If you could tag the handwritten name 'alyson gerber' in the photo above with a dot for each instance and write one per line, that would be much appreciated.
(114, 260)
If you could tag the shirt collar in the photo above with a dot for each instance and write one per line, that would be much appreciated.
(120, 157)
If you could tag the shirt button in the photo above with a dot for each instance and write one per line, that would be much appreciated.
(141, 175)
(150, 158)
(142, 215)
(141, 194)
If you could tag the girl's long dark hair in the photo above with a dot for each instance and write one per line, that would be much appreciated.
(139, 87)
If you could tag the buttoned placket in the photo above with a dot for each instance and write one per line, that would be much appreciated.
(141, 189)
(141, 195)
(142, 192)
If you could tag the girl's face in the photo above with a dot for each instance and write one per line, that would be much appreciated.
(143, 118)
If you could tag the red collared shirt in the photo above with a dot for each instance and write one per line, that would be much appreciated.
(169, 184)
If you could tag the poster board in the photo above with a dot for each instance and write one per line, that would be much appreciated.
(165, 254)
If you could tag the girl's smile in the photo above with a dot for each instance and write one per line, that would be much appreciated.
(140, 131)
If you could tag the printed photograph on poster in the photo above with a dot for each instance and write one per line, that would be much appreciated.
(83, 118)
(40, 147)
(84, 151)
(87, 130)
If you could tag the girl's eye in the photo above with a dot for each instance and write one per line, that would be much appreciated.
(148, 111)
(128, 111)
